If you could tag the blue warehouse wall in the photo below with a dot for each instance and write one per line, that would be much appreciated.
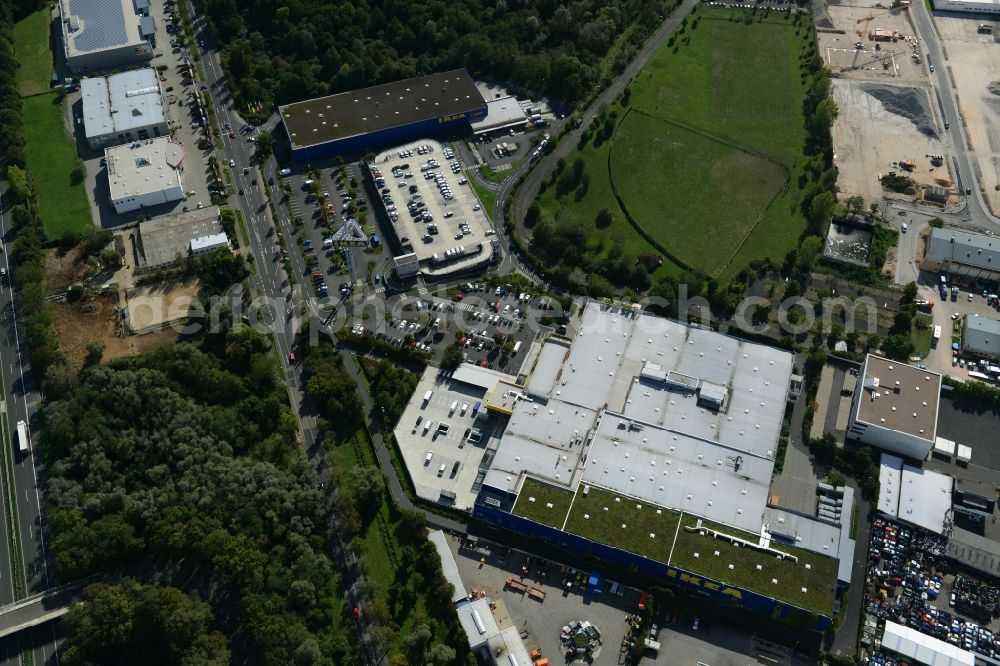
(386, 137)
(718, 592)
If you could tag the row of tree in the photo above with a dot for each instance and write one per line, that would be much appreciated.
(277, 52)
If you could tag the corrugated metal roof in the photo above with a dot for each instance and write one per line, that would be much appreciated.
(982, 335)
(923, 648)
(478, 622)
(449, 566)
(964, 247)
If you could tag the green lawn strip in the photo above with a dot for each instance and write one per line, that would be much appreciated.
(51, 158)
(493, 176)
(534, 499)
(33, 52)
(651, 155)
(10, 513)
(819, 579)
(920, 335)
(600, 514)
(487, 197)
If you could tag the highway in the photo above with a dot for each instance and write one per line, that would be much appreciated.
(20, 401)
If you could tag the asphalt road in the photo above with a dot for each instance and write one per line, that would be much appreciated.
(963, 160)
(19, 404)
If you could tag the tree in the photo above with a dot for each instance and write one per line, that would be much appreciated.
(902, 321)
(936, 223)
(440, 655)
(821, 209)
(855, 204)
(603, 218)
(265, 146)
(909, 293)
(20, 185)
(897, 347)
(415, 643)
(78, 174)
(95, 350)
(808, 251)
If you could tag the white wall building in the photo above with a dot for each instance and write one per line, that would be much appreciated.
(206, 244)
(122, 108)
(895, 407)
(972, 6)
(145, 174)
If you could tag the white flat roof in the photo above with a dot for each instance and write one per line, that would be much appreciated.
(890, 474)
(121, 102)
(547, 367)
(923, 648)
(474, 375)
(680, 472)
(925, 498)
(143, 167)
(501, 112)
(449, 567)
(210, 241)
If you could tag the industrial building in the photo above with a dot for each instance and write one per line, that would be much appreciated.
(970, 6)
(102, 34)
(645, 443)
(981, 337)
(502, 113)
(172, 238)
(122, 108)
(896, 407)
(919, 497)
(963, 253)
(382, 115)
(144, 174)
(923, 649)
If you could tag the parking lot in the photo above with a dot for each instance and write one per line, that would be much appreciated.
(184, 120)
(433, 214)
(909, 581)
(681, 644)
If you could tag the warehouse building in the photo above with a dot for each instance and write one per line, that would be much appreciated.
(896, 407)
(122, 108)
(970, 6)
(643, 442)
(381, 115)
(144, 174)
(102, 34)
(964, 254)
(981, 337)
(172, 238)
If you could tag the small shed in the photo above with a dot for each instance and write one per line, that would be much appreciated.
(936, 194)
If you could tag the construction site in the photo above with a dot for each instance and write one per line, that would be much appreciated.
(871, 43)
(886, 123)
(973, 61)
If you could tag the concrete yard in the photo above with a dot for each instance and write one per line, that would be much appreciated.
(974, 65)
(893, 60)
(880, 124)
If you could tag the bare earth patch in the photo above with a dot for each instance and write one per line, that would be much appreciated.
(152, 307)
(78, 323)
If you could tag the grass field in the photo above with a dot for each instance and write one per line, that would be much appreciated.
(589, 519)
(51, 158)
(682, 166)
(34, 53)
(543, 495)
(814, 572)
(737, 82)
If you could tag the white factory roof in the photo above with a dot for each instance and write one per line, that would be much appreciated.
(143, 167)
(925, 498)
(474, 375)
(502, 112)
(965, 247)
(890, 474)
(208, 242)
(923, 648)
(478, 622)
(679, 472)
(918, 496)
(627, 368)
(510, 647)
(448, 565)
(121, 102)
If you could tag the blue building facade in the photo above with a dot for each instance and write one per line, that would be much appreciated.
(387, 137)
(494, 507)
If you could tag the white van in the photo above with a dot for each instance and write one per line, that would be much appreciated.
(465, 408)
(284, 173)
(427, 458)
(427, 426)
(454, 406)
(427, 397)
(441, 470)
